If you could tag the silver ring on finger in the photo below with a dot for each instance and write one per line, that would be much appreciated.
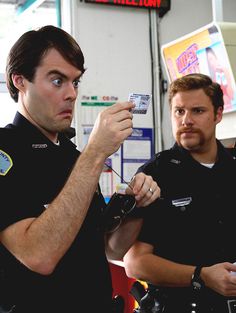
(150, 189)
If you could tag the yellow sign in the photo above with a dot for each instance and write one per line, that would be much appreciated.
(202, 51)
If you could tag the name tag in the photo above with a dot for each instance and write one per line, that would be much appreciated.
(182, 201)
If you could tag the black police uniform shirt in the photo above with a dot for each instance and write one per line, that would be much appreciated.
(194, 222)
(33, 170)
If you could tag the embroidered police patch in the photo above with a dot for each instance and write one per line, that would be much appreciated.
(5, 163)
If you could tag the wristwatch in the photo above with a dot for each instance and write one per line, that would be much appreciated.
(196, 282)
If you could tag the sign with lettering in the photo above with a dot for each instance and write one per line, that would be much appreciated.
(161, 5)
(202, 51)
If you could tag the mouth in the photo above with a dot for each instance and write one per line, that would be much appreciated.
(187, 131)
(66, 113)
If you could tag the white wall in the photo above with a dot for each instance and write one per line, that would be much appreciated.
(115, 42)
(229, 10)
(116, 48)
(116, 45)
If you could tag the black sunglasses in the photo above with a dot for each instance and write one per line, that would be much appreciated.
(116, 210)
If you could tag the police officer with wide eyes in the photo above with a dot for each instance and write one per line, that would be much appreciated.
(54, 251)
(186, 246)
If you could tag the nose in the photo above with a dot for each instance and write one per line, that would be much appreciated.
(71, 92)
(187, 119)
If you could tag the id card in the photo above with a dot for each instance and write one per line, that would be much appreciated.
(141, 102)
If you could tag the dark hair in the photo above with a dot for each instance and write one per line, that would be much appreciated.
(198, 81)
(26, 54)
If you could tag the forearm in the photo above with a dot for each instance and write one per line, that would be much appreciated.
(159, 271)
(68, 211)
(119, 242)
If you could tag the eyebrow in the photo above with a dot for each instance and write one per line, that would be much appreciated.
(53, 72)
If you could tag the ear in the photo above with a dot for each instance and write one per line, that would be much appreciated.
(18, 81)
(219, 114)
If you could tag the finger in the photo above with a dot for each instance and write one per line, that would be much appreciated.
(145, 186)
(137, 183)
(120, 106)
(152, 193)
(131, 183)
(151, 190)
(125, 124)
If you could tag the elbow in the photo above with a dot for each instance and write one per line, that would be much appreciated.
(132, 269)
(113, 252)
(129, 272)
(133, 274)
(41, 266)
(114, 255)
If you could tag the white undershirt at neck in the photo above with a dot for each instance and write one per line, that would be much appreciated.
(210, 165)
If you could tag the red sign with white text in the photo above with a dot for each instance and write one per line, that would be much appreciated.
(162, 5)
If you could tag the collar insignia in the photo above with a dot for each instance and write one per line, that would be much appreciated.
(39, 145)
(175, 161)
(5, 163)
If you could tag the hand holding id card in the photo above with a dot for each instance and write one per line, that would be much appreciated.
(141, 102)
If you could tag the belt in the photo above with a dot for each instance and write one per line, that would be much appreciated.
(172, 307)
(7, 308)
(227, 306)
(185, 300)
(231, 306)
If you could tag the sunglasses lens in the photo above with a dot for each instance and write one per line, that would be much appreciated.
(129, 204)
(113, 224)
(117, 208)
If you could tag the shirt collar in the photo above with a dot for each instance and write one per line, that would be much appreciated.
(33, 134)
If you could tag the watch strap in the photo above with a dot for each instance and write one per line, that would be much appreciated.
(197, 271)
(196, 282)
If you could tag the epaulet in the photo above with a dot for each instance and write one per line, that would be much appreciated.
(167, 155)
(7, 133)
(164, 154)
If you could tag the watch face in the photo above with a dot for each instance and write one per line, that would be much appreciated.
(196, 285)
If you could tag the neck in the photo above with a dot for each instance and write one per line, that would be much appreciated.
(206, 156)
(50, 135)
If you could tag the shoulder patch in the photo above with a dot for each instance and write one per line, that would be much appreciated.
(5, 163)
